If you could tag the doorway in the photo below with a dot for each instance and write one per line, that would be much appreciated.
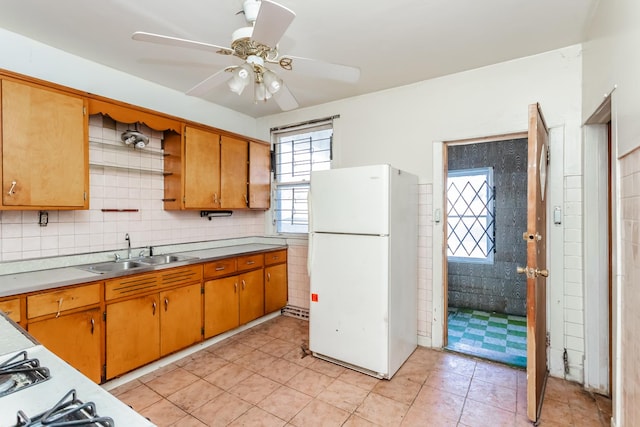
(486, 200)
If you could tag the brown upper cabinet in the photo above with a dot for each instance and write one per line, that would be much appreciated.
(201, 169)
(234, 157)
(44, 148)
(259, 175)
(206, 170)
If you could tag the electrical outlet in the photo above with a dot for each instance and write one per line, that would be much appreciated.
(43, 218)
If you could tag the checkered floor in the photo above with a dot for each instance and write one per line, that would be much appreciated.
(493, 336)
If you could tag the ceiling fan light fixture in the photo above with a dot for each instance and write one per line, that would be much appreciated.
(272, 81)
(241, 78)
(260, 92)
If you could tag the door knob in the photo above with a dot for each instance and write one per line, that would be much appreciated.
(532, 272)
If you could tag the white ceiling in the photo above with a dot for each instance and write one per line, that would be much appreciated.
(393, 43)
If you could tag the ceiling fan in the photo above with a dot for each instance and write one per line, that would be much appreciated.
(257, 46)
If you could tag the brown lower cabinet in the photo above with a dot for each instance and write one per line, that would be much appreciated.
(76, 338)
(133, 334)
(105, 329)
(232, 301)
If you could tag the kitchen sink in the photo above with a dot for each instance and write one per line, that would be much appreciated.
(112, 266)
(142, 262)
(163, 259)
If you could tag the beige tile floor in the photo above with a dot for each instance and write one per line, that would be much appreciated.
(259, 378)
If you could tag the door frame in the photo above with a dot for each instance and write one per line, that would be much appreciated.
(439, 326)
(599, 217)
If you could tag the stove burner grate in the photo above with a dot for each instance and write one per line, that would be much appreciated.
(69, 411)
(20, 372)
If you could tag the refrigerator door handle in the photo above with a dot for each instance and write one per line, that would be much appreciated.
(310, 254)
(310, 225)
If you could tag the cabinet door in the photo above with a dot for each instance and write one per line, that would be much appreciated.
(11, 307)
(180, 318)
(201, 169)
(275, 287)
(45, 157)
(233, 179)
(221, 309)
(259, 175)
(133, 334)
(251, 286)
(75, 338)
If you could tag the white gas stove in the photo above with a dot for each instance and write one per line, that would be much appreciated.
(37, 387)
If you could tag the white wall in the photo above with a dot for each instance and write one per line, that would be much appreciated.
(400, 126)
(612, 63)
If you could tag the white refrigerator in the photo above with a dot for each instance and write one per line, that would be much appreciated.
(363, 250)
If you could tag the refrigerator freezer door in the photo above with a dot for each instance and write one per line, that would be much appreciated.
(348, 319)
(350, 200)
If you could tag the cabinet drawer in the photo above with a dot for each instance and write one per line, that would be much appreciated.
(275, 257)
(131, 285)
(220, 268)
(62, 299)
(249, 262)
(11, 308)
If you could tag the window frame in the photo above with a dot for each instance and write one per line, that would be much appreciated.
(488, 173)
(276, 136)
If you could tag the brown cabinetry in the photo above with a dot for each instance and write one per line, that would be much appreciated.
(236, 299)
(68, 321)
(259, 175)
(207, 170)
(233, 173)
(132, 334)
(150, 315)
(44, 148)
(201, 169)
(12, 308)
(275, 281)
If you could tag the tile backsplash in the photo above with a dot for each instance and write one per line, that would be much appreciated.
(121, 178)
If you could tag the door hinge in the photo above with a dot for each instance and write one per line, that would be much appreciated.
(104, 372)
(202, 290)
(202, 331)
(548, 155)
(548, 340)
(104, 316)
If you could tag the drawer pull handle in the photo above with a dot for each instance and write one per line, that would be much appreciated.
(243, 284)
(13, 188)
(154, 308)
(166, 304)
(220, 268)
(235, 287)
(275, 257)
(268, 277)
(250, 262)
(59, 307)
(93, 324)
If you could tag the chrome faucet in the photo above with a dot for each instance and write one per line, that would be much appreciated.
(126, 237)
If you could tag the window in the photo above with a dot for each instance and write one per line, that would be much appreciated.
(471, 215)
(297, 153)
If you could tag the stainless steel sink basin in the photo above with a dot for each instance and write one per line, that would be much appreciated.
(131, 264)
(112, 266)
(163, 259)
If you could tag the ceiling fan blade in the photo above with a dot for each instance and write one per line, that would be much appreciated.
(175, 41)
(285, 99)
(315, 68)
(209, 83)
(272, 21)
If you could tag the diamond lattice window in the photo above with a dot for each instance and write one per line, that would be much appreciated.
(471, 215)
